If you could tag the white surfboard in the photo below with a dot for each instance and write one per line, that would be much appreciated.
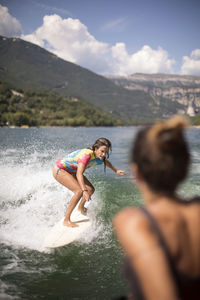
(61, 235)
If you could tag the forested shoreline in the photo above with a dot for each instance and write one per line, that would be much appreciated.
(42, 108)
(46, 108)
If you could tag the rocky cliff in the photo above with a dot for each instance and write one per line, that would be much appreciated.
(177, 88)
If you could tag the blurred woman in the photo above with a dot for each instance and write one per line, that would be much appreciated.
(162, 239)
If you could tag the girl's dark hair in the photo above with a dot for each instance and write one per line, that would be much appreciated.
(103, 142)
(161, 154)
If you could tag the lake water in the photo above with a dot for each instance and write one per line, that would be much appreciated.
(31, 201)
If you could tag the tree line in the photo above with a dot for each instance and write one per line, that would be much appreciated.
(46, 108)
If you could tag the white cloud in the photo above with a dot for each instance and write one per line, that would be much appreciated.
(145, 60)
(70, 40)
(191, 65)
(9, 26)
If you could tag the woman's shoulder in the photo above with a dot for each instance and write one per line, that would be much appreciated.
(132, 217)
(134, 230)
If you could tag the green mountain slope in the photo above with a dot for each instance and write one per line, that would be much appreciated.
(46, 108)
(31, 67)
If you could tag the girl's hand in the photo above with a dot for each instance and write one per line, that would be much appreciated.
(121, 172)
(86, 196)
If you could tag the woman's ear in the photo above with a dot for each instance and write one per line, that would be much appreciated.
(136, 172)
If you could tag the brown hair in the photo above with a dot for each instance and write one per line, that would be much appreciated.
(161, 154)
(103, 142)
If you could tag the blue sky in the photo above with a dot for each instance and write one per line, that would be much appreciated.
(113, 36)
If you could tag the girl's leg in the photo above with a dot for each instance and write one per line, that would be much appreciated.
(71, 183)
(91, 190)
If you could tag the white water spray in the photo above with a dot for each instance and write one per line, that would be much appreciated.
(32, 202)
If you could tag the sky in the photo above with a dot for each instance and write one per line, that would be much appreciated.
(111, 37)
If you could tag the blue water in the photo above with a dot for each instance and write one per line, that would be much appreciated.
(31, 201)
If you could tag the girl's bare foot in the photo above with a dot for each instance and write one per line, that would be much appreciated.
(70, 224)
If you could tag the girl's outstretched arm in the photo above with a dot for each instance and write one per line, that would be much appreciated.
(109, 165)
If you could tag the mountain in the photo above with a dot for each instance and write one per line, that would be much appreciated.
(28, 66)
(181, 89)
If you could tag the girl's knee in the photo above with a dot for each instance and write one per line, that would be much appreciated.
(78, 193)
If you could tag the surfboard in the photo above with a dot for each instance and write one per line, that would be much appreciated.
(61, 235)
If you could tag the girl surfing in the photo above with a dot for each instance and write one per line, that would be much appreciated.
(69, 172)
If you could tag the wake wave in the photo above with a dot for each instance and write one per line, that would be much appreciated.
(31, 202)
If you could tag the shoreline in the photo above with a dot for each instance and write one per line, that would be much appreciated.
(119, 126)
(28, 127)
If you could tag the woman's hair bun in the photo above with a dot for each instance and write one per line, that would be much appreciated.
(165, 132)
(162, 155)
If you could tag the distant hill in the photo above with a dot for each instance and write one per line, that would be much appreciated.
(28, 66)
(182, 89)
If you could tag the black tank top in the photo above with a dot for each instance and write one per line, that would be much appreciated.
(188, 287)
